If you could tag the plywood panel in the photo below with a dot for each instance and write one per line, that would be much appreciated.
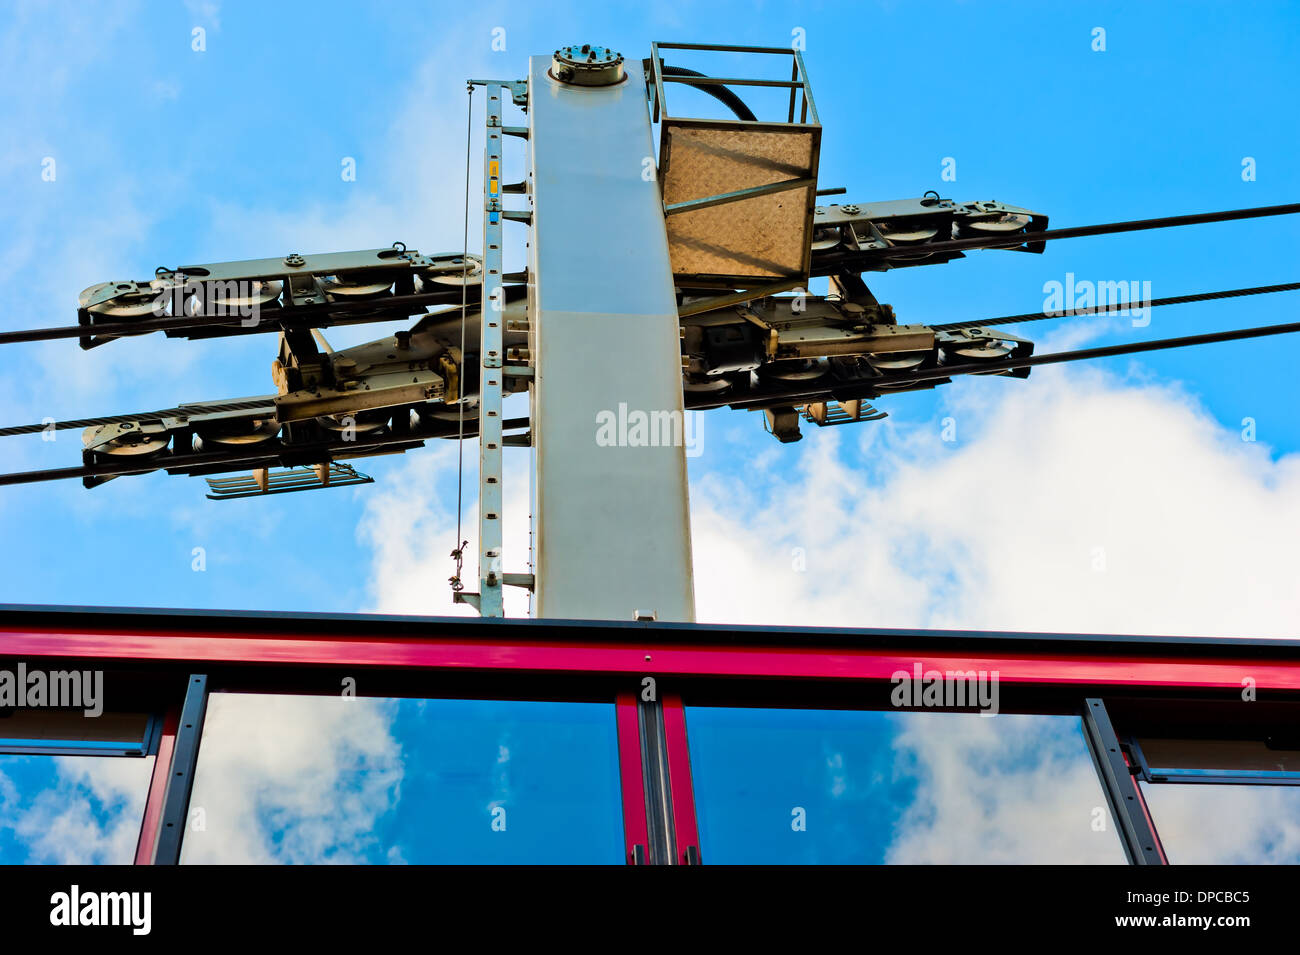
(763, 238)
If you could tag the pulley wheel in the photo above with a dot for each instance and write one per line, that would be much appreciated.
(129, 444)
(366, 284)
(1006, 222)
(360, 422)
(898, 361)
(238, 432)
(133, 305)
(455, 274)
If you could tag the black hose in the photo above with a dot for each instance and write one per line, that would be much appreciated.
(720, 93)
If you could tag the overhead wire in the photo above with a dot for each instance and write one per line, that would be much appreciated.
(187, 411)
(828, 262)
(1119, 307)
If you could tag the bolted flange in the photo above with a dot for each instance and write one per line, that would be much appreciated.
(587, 65)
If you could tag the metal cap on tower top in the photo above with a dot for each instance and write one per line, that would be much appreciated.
(587, 65)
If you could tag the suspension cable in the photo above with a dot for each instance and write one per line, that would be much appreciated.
(868, 387)
(1120, 306)
(827, 263)
(188, 411)
(1104, 351)
(321, 315)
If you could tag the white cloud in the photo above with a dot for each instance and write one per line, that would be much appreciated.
(1008, 789)
(1227, 825)
(91, 815)
(1070, 503)
(1196, 530)
(410, 528)
(294, 779)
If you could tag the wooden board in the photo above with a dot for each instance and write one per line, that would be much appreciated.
(765, 238)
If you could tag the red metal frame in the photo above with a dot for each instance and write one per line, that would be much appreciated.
(153, 805)
(653, 655)
(636, 828)
(679, 778)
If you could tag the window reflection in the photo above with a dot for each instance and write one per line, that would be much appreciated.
(1210, 824)
(63, 810)
(835, 786)
(70, 732)
(298, 779)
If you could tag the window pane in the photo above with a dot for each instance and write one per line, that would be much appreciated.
(71, 809)
(1210, 824)
(47, 730)
(1242, 759)
(301, 779)
(1225, 755)
(835, 786)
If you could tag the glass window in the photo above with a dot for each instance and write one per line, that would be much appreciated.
(59, 810)
(301, 779)
(837, 786)
(1214, 824)
(1224, 760)
(71, 732)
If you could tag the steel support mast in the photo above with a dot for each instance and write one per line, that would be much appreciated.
(611, 522)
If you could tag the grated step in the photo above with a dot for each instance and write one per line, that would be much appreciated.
(266, 481)
(825, 414)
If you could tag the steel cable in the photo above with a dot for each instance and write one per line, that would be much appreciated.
(188, 411)
(1121, 306)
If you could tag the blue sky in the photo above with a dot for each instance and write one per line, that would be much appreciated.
(451, 781)
(829, 786)
(167, 155)
(1117, 497)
